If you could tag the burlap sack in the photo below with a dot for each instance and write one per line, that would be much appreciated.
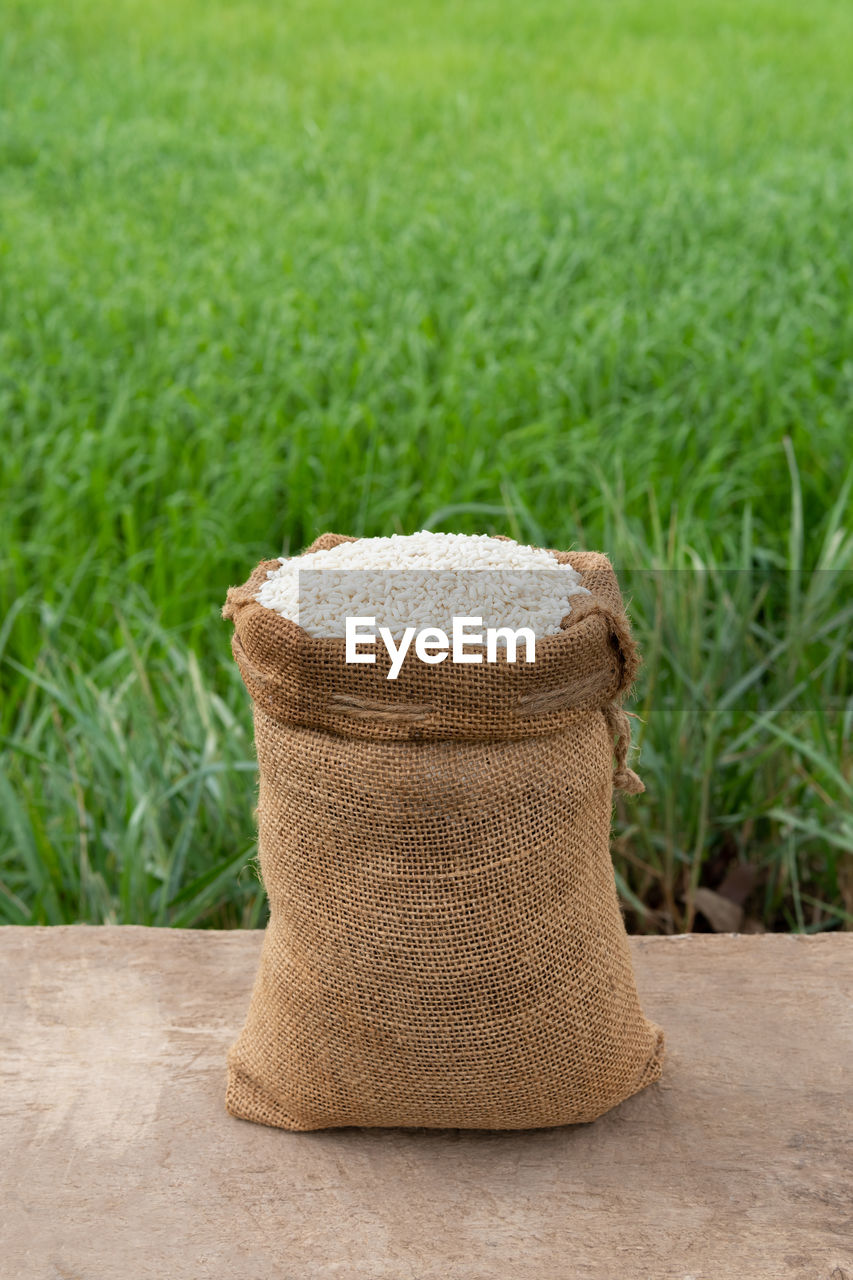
(445, 947)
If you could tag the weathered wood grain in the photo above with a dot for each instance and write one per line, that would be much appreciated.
(120, 1161)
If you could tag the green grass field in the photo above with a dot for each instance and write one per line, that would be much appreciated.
(580, 274)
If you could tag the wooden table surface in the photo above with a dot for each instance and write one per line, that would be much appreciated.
(119, 1159)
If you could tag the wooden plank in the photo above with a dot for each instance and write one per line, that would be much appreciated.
(120, 1160)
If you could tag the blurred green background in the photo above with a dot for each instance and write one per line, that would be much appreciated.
(577, 273)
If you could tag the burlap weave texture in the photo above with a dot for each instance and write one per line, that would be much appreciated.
(445, 946)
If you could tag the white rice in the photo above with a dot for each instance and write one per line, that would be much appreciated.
(419, 580)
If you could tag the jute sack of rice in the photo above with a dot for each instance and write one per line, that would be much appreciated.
(445, 946)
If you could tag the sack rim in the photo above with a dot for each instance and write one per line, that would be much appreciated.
(303, 679)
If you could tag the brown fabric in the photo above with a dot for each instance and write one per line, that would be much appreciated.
(445, 947)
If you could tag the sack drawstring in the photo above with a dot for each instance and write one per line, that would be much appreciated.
(624, 779)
